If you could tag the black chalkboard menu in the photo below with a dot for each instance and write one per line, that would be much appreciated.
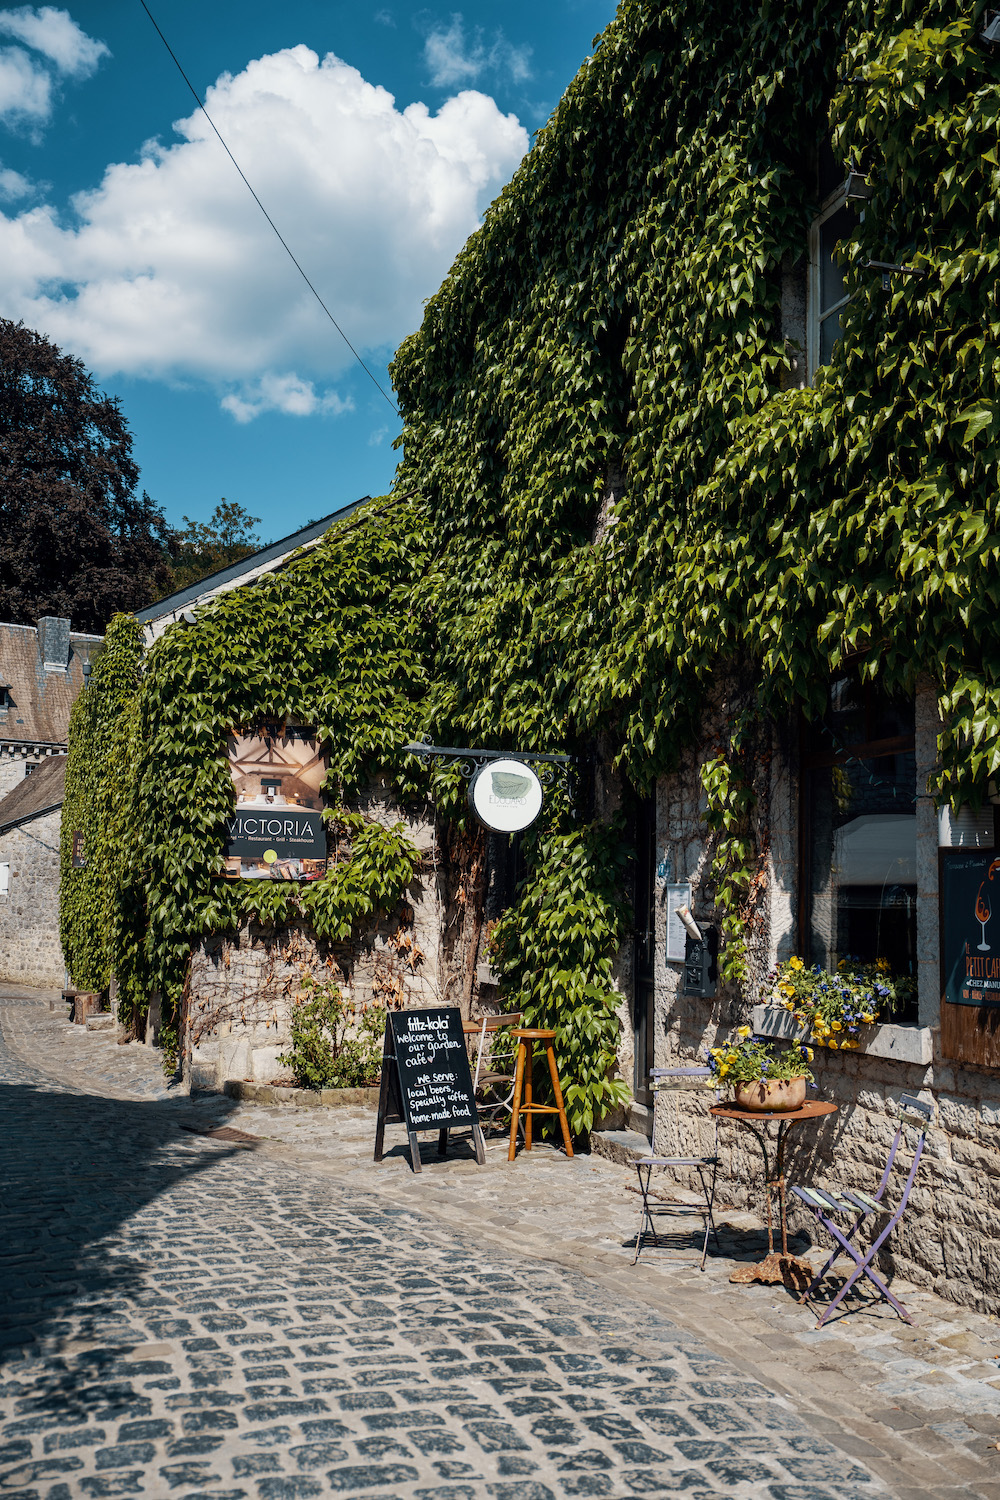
(970, 926)
(426, 1079)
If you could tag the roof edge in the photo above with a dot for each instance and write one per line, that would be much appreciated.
(173, 602)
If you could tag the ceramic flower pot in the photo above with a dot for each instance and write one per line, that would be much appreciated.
(773, 1095)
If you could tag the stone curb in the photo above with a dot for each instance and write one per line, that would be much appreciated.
(274, 1093)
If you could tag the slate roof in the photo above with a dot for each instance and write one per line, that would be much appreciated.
(39, 698)
(36, 794)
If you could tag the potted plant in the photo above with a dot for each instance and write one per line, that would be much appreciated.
(760, 1077)
(832, 1008)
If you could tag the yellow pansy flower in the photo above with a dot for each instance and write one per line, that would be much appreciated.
(868, 1019)
(796, 963)
(743, 1031)
(836, 1025)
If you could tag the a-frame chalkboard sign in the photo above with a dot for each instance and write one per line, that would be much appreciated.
(426, 1080)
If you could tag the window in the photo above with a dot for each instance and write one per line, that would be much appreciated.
(835, 222)
(4, 879)
(30, 767)
(829, 284)
(858, 877)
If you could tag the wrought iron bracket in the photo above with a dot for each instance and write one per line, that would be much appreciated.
(890, 269)
(548, 768)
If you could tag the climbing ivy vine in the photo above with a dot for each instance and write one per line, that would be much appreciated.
(621, 495)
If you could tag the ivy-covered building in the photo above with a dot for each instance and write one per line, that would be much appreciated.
(699, 486)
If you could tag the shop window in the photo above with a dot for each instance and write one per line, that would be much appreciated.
(858, 877)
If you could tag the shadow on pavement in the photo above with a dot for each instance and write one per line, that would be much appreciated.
(74, 1168)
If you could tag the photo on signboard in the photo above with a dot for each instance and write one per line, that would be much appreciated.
(276, 831)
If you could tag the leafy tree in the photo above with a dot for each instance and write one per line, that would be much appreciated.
(205, 546)
(74, 539)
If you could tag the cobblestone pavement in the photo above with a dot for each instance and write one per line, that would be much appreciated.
(197, 1317)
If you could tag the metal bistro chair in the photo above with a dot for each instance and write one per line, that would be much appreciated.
(825, 1202)
(663, 1081)
(495, 1070)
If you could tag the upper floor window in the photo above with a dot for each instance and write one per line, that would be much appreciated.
(836, 221)
(827, 280)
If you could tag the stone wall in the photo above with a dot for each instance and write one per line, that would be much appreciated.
(29, 913)
(950, 1238)
(12, 764)
(242, 989)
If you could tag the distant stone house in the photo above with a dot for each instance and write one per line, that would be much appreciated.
(41, 673)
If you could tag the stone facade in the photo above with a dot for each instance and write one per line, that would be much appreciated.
(950, 1238)
(29, 910)
(241, 990)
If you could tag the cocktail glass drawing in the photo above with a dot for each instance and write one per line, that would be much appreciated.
(983, 914)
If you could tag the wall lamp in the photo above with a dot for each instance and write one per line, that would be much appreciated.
(990, 33)
(857, 188)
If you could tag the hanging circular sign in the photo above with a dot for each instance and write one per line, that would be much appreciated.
(506, 795)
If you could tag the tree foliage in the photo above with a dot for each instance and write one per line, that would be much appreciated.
(204, 547)
(74, 538)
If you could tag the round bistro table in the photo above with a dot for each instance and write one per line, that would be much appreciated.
(774, 1170)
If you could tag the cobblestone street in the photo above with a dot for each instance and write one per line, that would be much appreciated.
(195, 1316)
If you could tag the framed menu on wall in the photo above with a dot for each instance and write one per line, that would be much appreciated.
(970, 956)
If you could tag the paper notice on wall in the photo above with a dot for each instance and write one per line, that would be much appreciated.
(676, 896)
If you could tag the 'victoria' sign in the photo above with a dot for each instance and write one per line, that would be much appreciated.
(288, 832)
(276, 829)
(506, 795)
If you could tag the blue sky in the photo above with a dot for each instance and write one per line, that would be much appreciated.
(374, 135)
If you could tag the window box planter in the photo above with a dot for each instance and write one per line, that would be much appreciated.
(910, 1044)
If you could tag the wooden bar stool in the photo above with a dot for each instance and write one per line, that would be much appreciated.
(523, 1103)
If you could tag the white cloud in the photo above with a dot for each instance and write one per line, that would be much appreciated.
(26, 93)
(169, 270)
(56, 35)
(25, 88)
(453, 59)
(13, 185)
(285, 393)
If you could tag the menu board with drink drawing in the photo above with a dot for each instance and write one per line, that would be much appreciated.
(970, 926)
(426, 1080)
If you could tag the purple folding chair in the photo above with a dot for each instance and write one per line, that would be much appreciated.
(665, 1080)
(861, 1206)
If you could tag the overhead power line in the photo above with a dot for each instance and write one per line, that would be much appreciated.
(284, 243)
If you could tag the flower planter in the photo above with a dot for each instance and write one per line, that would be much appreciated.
(773, 1095)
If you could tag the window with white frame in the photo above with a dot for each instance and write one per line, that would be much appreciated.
(828, 294)
(4, 878)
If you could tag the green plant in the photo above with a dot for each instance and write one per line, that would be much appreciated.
(834, 1007)
(336, 1043)
(555, 949)
(750, 1058)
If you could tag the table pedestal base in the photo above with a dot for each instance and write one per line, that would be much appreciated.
(789, 1270)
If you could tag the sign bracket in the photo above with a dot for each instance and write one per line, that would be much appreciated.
(548, 768)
